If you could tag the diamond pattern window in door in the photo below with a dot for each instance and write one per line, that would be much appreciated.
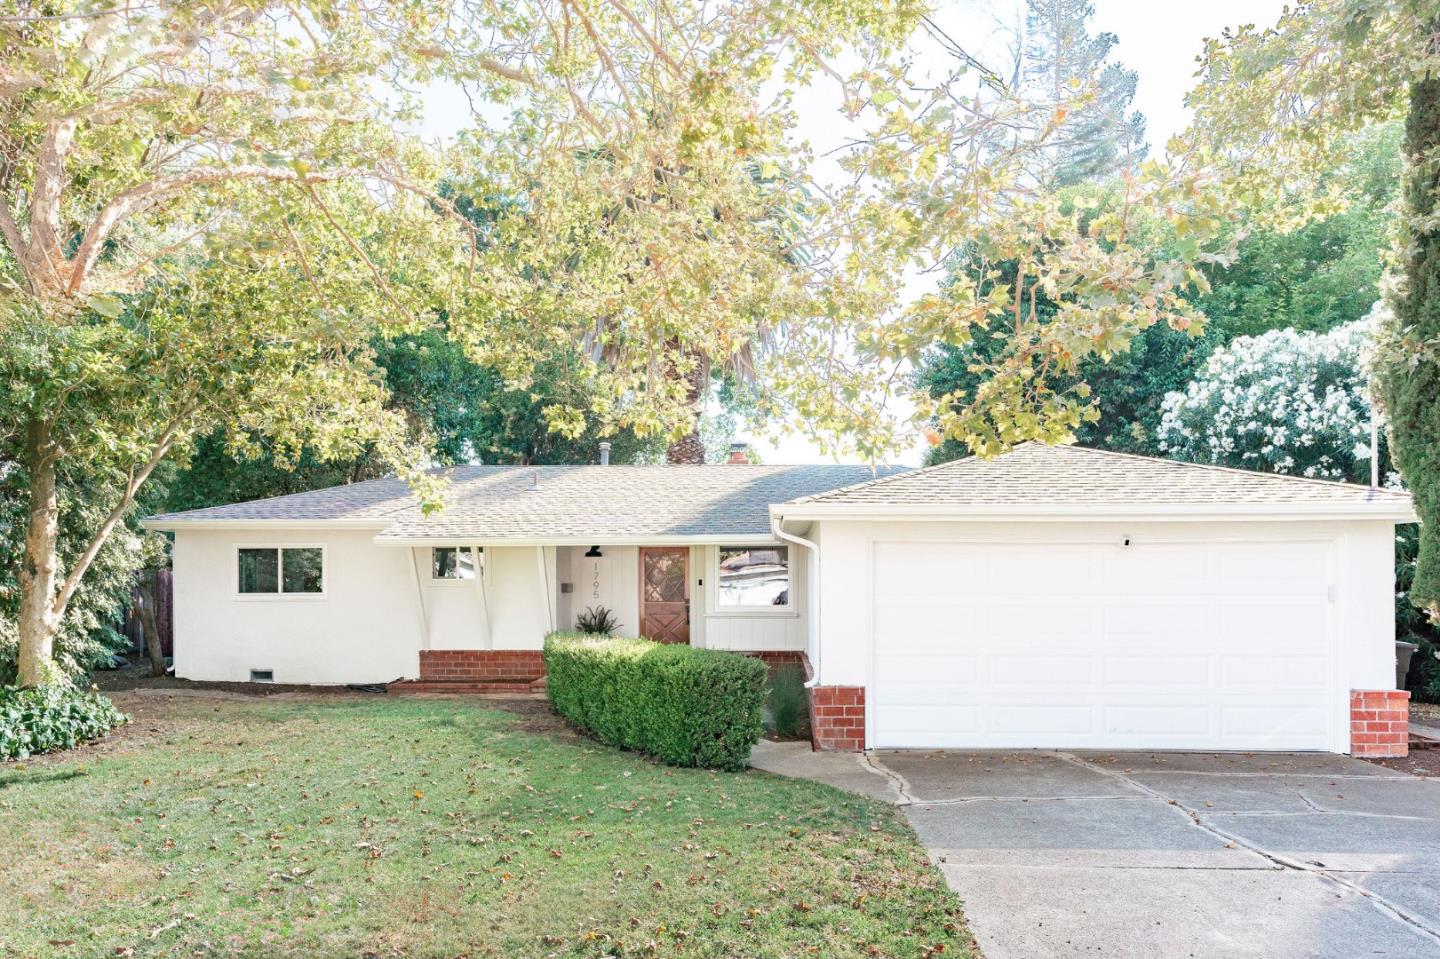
(665, 577)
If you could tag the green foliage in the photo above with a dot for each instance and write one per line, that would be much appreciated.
(681, 704)
(1326, 272)
(786, 699)
(1411, 623)
(1356, 64)
(88, 633)
(596, 620)
(55, 716)
(1408, 368)
(1317, 277)
(465, 409)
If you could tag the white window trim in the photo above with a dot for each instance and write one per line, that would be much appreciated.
(280, 596)
(442, 583)
(790, 610)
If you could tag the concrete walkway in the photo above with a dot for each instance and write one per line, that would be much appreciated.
(1160, 855)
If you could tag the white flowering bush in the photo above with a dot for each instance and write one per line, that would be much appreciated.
(1282, 402)
(1298, 403)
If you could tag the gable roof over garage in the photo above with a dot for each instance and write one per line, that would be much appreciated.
(1035, 481)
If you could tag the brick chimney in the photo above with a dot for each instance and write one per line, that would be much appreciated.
(739, 453)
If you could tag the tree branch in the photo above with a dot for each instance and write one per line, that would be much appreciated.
(645, 35)
(131, 201)
(45, 203)
(132, 485)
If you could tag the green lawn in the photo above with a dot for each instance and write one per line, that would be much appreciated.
(365, 826)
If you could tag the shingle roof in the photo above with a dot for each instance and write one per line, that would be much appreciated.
(603, 502)
(1034, 476)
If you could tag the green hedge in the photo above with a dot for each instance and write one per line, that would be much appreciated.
(44, 718)
(682, 705)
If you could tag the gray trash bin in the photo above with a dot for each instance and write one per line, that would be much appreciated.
(1403, 652)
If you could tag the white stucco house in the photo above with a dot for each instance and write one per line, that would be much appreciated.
(1051, 597)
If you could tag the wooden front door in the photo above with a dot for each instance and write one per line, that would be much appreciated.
(665, 594)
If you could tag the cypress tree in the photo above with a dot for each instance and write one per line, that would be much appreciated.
(1409, 374)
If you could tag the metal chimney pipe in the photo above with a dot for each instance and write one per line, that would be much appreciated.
(604, 452)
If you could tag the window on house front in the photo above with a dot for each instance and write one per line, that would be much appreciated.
(452, 562)
(754, 577)
(281, 569)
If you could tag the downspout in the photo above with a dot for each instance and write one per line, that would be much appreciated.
(412, 559)
(482, 590)
(777, 525)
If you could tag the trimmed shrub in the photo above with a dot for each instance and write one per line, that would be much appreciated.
(682, 705)
(45, 718)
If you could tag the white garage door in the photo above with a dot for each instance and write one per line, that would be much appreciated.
(1082, 645)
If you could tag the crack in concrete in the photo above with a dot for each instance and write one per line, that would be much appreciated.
(1317, 811)
(1386, 907)
(1333, 777)
(1019, 799)
(902, 786)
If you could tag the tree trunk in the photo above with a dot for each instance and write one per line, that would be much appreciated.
(154, 648)
(690, 449)
(38, 567)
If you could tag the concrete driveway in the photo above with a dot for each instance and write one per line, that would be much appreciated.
(1161, 855)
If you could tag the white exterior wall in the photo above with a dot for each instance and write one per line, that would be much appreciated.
(748, 630)
(1362, 593)
(612, 581)
(376, 614)
(508, 607)
(365, 627)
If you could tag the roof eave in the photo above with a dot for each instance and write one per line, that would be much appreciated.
(588, 539)
(1054, 512)
(163, 524)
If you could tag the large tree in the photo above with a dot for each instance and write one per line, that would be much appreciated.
(210, 211)
(1275, 107)
(1066, 64)
(1315, 277)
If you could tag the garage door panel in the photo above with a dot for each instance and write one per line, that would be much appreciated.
(1064, 568)
(1187, 646)
(1290, 722)
(1040, 669)
(918, 670)
(1152, 719)
(922, 569)
(1150, 671)
(934, 721)
(1158, 623)
(1264, 568)
(1288, 625)
(1041, 719)
(1274, 672)
(1157, 567)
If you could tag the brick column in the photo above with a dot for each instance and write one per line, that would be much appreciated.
(1379, 722)
(837, 717)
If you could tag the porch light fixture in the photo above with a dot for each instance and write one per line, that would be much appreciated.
(594, 553)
